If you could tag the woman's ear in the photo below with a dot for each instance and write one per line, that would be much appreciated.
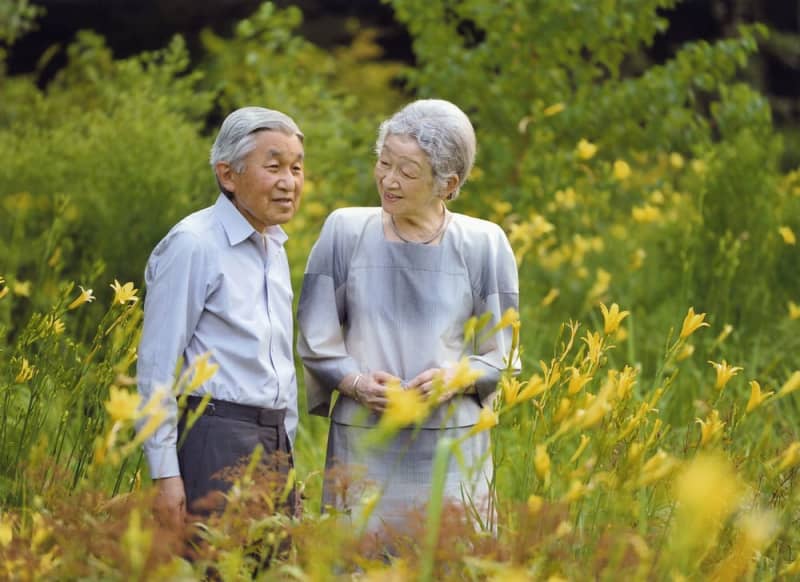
(225, 175)
(450, 186)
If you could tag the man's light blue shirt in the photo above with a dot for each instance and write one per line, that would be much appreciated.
(216, 285)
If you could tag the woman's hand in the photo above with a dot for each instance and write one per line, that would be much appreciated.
(368, 389)
(426, 381)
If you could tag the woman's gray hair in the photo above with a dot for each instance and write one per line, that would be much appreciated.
(236, 138)
(442, 131)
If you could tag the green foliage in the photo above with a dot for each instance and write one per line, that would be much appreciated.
(655, 187)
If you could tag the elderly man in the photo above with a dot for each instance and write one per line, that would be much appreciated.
(218, 284)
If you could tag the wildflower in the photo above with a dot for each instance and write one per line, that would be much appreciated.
(500, 207)
(541, 463)
(56, 325)
(6, 532)
(462, 375)
(564, 529)
(723, 335)
(790, 457)
(554, 109)
(646, 214)
(601, 284)
(85, 296)
(203, 371)
(533, 387)
(510, 388)
(475, 174)
(756, 531)
(553, 294)
(724, 373)
(637, 259)
(656, 468)
(581, 447)
(22, 288)
(756, 396)
(535, 503)
(404, 407)
(487, 419)
(576, 491)
(794, 309)
(124, 293)
(509, 317)
(791, 568)
(26, 372)
(621, 170)
(707, 491)
(686, 352)
(561, 413)
(4, 290)
(625, 381)
(566, 198)
(699, 167)
(577, 381)
(595, 345)
(586, 149)
(676, 160)
(711, 428)
(788, 235)
(612, 317)
(692, 322)
(122, 404)
(792, 384)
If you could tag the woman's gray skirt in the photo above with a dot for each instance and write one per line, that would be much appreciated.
(382, 485)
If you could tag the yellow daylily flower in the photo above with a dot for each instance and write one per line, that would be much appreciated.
(462, 376)
(710, 428)
(554, 109)
(56, 325)
(487, 419)
(586, 149)
(124, 293)
(202, 372)
(612, 317)
(22, 288)
(724, 373)
(25, 373)
(509, 317)
(595, 343)
(577, 381)
(686, 352)
(676, 160)
(509, 388)
(646, 214)
(581, 447)
(533, 387)
(576, 491)
(85, 296)
(6, 532)
(404, 407)
(541, 463)
(535, 504)
(707, 491)
(656, 468)
(699, 167)
(792, 384)
(692, 322)
(551, 296)
(787, 234)
(794, 310)
(4, 291)
(122, 405)
(622, 170)
(756, 396)
(790, 457)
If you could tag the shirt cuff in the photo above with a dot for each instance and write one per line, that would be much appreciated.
(163, 462)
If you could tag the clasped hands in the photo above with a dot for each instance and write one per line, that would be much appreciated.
(371, 389)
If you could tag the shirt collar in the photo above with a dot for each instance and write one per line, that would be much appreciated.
(236, 226)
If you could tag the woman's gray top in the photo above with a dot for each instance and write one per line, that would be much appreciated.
(369, 304)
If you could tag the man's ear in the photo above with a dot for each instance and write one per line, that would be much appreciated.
(225, 175)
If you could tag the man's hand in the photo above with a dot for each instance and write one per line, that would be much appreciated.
(170, 503)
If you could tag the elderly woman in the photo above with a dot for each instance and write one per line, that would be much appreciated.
(385, 297)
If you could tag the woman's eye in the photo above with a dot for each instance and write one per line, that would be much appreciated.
(383, 163)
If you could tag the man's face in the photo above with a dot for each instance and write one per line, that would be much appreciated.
(268, 190)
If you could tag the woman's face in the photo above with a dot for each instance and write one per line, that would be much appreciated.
(404, 177)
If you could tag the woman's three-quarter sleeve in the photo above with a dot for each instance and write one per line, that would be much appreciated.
(497, 291)
(321, 313)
